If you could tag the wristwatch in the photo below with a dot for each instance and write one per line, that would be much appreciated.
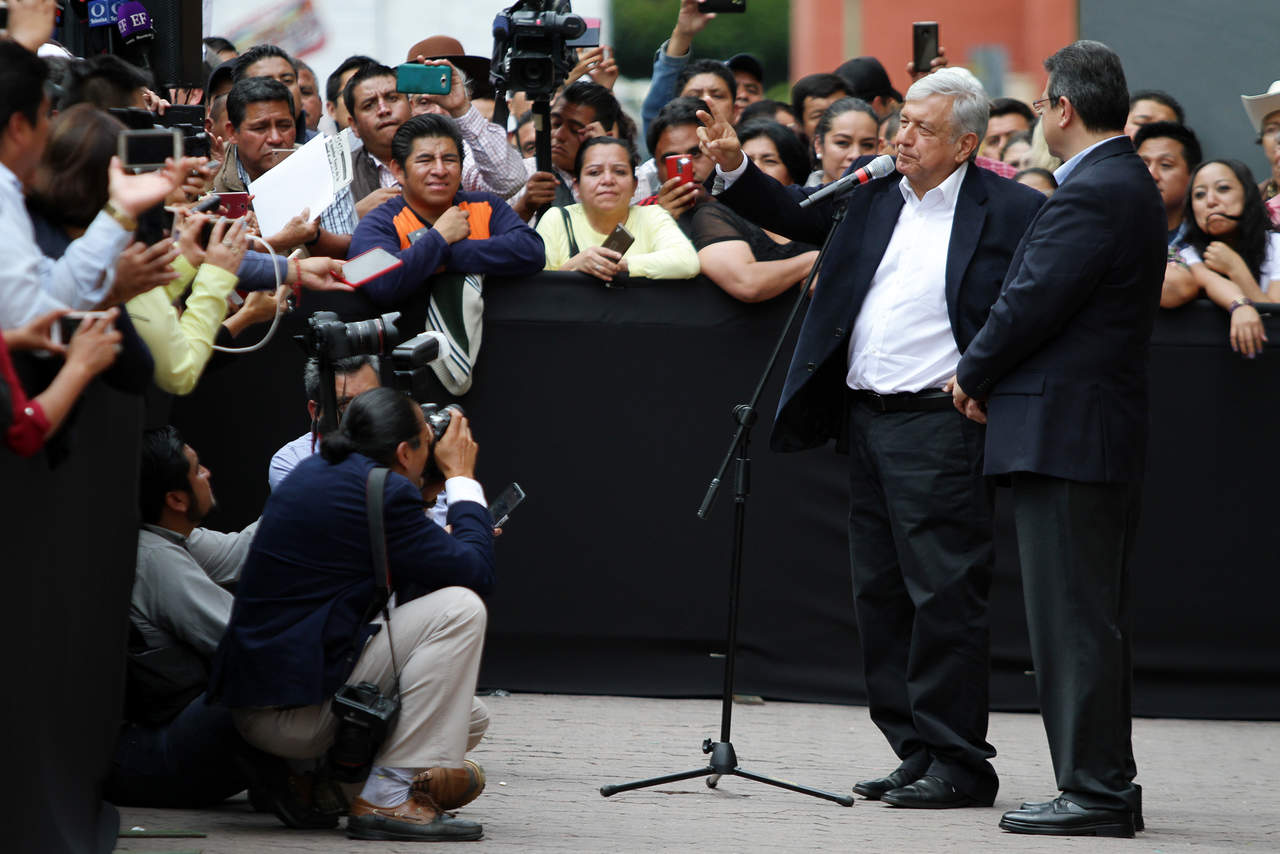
(125, 221)
(1237, 302)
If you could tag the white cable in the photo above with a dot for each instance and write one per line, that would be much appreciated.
(275, 321)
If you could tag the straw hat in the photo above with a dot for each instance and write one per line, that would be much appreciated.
(1260, 106)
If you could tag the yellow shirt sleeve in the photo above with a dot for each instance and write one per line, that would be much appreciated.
(181, 346)
(661, 250)
(554, 238)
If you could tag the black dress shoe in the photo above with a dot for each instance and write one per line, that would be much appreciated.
(873, 789)
(931, 793)
(1138, 824)
(1062, 817)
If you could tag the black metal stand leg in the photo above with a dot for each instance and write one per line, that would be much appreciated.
(654, 781)
(724, 760)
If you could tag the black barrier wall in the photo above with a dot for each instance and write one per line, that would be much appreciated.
(611, 408)
(70, 535)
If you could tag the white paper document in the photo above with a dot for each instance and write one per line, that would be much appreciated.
(311, 177)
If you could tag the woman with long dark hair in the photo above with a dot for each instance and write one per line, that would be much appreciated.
(1230, 248)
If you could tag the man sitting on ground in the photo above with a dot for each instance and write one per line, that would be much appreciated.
(176, 751)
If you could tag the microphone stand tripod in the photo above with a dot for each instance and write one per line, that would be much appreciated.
(724, 760)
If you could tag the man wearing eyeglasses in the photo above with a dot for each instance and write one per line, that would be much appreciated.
(1059, 374)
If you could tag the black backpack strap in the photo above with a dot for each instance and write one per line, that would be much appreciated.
(375, 487)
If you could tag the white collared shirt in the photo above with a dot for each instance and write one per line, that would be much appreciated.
(1064, 171)
(902, 339)
(32, 284)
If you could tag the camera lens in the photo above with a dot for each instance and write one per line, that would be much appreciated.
(365, 336)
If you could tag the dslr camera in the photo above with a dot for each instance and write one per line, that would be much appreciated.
(328, 338)
(365, 716)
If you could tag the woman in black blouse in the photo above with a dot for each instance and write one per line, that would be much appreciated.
(749, 263)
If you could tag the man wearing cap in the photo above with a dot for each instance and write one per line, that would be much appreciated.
(749, 73)
(869, 81)
(1264, 113)
(490, 164)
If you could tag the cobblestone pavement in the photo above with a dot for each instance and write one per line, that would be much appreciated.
(1208, 786)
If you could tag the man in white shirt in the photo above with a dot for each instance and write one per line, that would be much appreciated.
(30, 283)
(912, 272)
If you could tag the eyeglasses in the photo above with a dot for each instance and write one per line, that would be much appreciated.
(1041, 105)
(1271, 131)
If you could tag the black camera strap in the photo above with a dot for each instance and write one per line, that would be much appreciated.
(375, 486)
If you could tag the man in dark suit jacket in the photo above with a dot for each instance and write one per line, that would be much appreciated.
(1062, 366)
(300, 626)
(912, 271)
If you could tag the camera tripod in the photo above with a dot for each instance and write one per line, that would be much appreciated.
(724, 759)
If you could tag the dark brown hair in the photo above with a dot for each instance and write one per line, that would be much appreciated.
(70, 184)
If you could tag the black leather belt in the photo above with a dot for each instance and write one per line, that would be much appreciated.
(907, 401)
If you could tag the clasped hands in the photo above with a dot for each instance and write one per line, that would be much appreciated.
(969, 407)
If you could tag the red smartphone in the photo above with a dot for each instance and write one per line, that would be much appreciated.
(234, 205)
(369, 265)
(680, 166)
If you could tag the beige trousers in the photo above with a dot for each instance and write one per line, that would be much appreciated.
(438, 640)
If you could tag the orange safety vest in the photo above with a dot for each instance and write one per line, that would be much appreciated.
(407, 221)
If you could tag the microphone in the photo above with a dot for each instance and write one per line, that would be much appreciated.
(133, 22)
(877, 168)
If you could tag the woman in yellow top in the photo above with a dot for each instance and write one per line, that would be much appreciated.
(181, 343)
(606, 180)
(70, 186)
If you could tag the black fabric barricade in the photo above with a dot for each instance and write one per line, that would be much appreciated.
(611, 407)
(70, 535)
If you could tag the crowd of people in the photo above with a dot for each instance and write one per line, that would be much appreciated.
(115, 273)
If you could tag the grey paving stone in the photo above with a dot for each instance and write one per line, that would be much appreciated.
(1208, 786)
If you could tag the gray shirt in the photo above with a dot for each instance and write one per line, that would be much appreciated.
(177, 593)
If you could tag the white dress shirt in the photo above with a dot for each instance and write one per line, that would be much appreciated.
(32, 284)
(902, 340)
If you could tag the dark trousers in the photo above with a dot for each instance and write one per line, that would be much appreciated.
(1075, 541)
(187, 763)
(921, 551)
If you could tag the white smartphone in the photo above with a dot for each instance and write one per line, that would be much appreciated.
(369, 265)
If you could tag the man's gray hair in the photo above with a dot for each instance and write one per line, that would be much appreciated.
(971, 107)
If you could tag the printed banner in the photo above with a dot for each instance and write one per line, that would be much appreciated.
(293, 25)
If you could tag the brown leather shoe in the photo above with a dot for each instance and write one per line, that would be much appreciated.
(413, 820)
(450, 788)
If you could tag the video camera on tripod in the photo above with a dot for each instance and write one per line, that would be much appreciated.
(531, 55)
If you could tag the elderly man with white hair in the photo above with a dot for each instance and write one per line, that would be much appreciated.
(917, 262)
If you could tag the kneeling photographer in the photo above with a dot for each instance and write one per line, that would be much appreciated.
(303, 625)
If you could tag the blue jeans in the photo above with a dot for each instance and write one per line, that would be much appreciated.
(186, 764)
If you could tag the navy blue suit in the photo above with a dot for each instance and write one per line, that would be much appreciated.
(1062, 360)
(308, 580)
(920, 511)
